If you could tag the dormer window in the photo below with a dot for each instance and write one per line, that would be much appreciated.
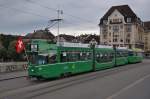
(128, 20)
(104, 21)
(115, 21)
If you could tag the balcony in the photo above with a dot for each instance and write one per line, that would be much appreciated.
(140, 42)
(115, 22)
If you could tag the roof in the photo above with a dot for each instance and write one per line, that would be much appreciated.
(88, 37)
(40, 34)
(125, 10)
(68, 38)
(147, 26)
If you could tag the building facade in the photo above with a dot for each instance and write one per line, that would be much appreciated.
(147, 36)
(121, 27)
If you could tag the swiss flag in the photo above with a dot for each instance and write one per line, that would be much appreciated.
(19, 45)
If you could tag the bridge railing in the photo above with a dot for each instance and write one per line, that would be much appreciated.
(12, 66)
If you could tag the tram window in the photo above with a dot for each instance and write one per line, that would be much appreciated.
(33, 59)
(64, 54)
(125, 54)
(118, 54)
(89, 56)
(140, 54)
(70, 56)
(85, 56)
(104, 57)
(130, 53)
(42, 59)
(112, 55)
(73, 56)
(109, 57)
(63, 57)
(121, 54)
(52, 59)
(81, 54)
(97, 57)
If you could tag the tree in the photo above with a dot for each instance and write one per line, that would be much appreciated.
(11, 53)
(6, 39)
(3, 53)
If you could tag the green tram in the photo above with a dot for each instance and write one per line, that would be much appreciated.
(51, 61)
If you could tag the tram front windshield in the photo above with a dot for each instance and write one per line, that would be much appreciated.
(39, 59)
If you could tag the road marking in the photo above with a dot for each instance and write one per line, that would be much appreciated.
(128, 87)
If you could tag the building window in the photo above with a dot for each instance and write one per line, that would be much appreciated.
(105, 29)
(110, 21)
(110, 27)
(121, 45)
(115, 40)
(128, 19)
(128, 35)
(105, 36)
(129, 28)
(117, 20)
(128, 40)
(109, 34)
(121, 26)
(120, 20)
(121, 40)
(115, 28)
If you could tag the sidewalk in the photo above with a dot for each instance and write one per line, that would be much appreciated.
(5, 76)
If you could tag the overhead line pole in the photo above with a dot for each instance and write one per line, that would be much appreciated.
(58, 39)
(58, 19)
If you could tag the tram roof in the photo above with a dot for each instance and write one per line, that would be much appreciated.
(68, 44)
(81, 45)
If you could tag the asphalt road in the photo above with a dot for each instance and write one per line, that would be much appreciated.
(125, 82)
(15, 80)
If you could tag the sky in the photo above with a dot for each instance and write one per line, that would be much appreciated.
(20, 17)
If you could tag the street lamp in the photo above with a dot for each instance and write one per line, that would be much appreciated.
(115, 47)
(93, 43)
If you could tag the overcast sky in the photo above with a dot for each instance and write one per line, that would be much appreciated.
(79, 17)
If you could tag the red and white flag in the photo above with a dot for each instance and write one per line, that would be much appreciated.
(19, 45)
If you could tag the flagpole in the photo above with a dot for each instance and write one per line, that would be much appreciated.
(20, 47)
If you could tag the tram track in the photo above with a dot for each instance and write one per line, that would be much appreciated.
(49, 87)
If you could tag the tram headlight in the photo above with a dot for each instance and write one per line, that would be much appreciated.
(40, 68)
(32, 70)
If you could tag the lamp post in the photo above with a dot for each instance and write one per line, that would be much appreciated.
(114, 47)
(92, 45)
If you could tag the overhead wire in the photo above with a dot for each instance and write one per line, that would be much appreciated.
(23, 11)
(50, 8)
(53, 9)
